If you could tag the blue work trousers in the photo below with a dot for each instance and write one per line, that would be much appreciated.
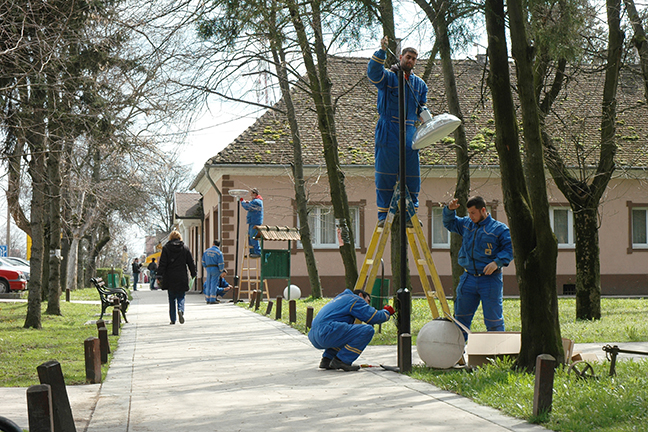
(346, 341)
(470, 291)
(255, 248)
(179, 298)
(386, 176)
(211, 284)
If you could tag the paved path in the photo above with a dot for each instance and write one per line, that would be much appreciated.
(229, 369)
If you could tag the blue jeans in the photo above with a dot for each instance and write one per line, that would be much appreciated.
(255, 248)
(174, 296)
(470, 291)
(152, 277)
(135, 278)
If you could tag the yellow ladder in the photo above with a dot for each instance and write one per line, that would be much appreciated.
(251, 274)
(422, 256)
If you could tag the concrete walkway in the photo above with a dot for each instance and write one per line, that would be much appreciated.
(229, 369)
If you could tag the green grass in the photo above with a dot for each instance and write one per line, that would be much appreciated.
(616, 404)
(61, 339)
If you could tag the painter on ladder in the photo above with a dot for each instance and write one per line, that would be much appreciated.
(485, 249)
(334, 330)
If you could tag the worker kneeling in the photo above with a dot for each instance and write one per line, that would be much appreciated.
(334, 332)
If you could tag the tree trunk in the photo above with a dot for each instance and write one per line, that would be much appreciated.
(639, 40)
(386, 11)
(588, 267)
(534, 245)
(54, 174)
(14, 169)
(298, 166)
(71, 272)
(320, 84)
(95, 247)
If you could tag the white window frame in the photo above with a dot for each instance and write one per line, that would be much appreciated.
(636, 245)
(570, 226)
(314, 213)
(436, 244)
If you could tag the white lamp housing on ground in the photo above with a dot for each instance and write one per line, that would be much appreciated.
(440, 344)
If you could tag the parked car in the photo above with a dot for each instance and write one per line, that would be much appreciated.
(18, 261)
(11, 280)
(7, 262)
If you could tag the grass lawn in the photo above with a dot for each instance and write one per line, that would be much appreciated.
(61, 339)
(605, 404)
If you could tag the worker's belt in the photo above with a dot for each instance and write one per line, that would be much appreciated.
(484, 274)
(212, 265)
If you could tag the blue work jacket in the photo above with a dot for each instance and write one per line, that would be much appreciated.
(346, 307)
(386, 81)
(213, 261)
(482, 243)
(254, 211)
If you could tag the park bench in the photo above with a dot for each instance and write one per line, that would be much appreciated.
(109, 295)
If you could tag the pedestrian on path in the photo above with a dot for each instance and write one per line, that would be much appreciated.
(172, 271)
(136, 266)
(152, 268)
(334, 330)
(254, 209)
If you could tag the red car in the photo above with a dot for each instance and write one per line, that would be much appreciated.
(12, 280)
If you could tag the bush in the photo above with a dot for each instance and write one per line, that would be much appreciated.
(104, 272)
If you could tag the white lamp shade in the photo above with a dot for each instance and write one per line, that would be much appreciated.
(437, 128)
(440, 344)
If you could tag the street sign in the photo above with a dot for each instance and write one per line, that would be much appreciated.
(3, 250)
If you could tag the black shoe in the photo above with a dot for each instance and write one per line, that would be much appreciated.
(325, 363)
(255, 255)
(172, 322)
(336, 363)
(181, 317)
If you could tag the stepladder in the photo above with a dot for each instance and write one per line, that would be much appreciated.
(251, 275)
(418, 246)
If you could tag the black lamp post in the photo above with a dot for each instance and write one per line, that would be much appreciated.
(403, 295)
(237, 194)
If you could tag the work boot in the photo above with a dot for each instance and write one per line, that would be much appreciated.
(381, 223)
(181, 317)
(325, 363)
(336, 363)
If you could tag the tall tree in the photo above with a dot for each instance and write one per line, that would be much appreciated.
(523, 184)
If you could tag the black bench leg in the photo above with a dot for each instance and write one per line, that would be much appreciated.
(123, 314)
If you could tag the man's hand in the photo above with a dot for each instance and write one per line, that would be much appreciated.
(454, 204)
(389, 309)
(384, 43)
(490, 268)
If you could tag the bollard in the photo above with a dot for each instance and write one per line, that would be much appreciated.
(259, 297)
(405, 352)
(543, 390)
(235, 294)
(116, 321)
(50, 373)
(279, 307)
(104, 344)
(309, 317)
(92, 360)
(39, 408)
(269, 308)
(67, 295)
(292, 311)
(253, 296)
(102, 324)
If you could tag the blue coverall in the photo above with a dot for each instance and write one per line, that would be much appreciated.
(333, 329)
(482, 243)
(254, 217)
(212, 261)
(386, 152)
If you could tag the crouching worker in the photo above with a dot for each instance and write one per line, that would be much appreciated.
(334, 332)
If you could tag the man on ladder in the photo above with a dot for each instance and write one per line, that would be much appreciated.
(254, 210)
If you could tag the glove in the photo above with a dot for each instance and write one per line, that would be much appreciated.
(389, 309)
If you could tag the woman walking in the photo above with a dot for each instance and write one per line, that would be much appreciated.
(172, 274)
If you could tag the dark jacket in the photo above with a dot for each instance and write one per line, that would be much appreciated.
(174, 261)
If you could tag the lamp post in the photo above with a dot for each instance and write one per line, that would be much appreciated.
(237, 194)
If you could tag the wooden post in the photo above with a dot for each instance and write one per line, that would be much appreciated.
(253, 295)
(39, 408)
(405, 352)
(67, 295)
(544, 377)
(292, 311)
(309, 317)
(102, 324)
(116, 321)
(269, 308)
(104, 344)
(92, 360)
(50, 373)
(279, 307)
(259, 296)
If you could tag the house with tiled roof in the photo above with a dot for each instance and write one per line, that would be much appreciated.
(262, 157)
